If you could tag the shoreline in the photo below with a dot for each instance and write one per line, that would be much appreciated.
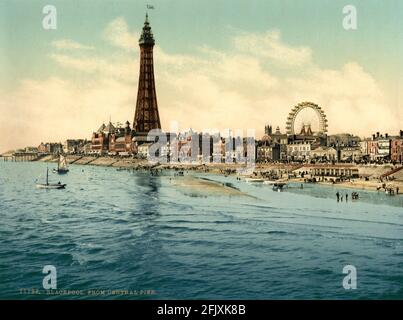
(231, 169)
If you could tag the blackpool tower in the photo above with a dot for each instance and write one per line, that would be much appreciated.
(146, 116)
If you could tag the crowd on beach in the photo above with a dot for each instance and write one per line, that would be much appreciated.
(354, 196)
(388, 189)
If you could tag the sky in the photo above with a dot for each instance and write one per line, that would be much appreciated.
(219, 64)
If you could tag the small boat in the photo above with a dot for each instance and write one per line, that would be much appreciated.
(62, 167)
(279, 186)
(48, 185)
(254, 180)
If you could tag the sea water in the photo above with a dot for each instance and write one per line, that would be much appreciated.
(130, 235)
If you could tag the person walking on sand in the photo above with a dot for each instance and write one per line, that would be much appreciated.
(346, 197)
(338, 196)
(397, 190)
(341, 198)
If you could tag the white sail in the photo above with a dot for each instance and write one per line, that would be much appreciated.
(62, 163)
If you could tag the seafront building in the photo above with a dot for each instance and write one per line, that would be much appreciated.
(364, 148)
(396, 148)
(343, 140)
(268, 149)
(31, 150)
(101, 137)
(276, 142)
(380, 147)
(350, 154)
(303, 144)
(50, 148)
(299, 150)
(120, 141)
(74, 146)
(335, 171)
(306, 147)
(324, 154)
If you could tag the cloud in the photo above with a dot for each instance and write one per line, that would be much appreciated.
(55, 109)
(350, 82)
(70, 45)
(117, 33)
(117, 66)
(211, 88)
(270, 46)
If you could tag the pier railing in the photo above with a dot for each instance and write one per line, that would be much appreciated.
(20, 156)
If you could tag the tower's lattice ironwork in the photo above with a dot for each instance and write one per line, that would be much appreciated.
(146, 116)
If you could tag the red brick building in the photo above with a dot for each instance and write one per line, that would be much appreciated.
(396, 148)
(100, 139)
(112, 140)
(121, 141)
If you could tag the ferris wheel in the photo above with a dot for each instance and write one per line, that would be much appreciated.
(316, 116)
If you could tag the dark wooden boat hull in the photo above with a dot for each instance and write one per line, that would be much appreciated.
(51, 186)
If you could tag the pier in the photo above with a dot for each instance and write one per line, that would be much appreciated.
(20, 156)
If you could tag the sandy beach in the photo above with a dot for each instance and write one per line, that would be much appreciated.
(193, 186)
(370, 185)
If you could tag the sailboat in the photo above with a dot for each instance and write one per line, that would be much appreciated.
(48, 185)
(61, 165)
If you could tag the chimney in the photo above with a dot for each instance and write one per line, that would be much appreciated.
(373, 137)
(377, 134)
(386, 135)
